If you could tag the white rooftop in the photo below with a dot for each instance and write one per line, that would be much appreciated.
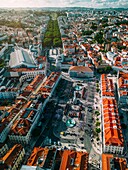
(20, 58)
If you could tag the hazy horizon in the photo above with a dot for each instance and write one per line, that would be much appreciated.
(64, 3)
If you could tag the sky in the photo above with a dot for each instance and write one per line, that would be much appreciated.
(65, 3)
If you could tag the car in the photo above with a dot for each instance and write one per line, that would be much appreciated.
(83, 147)
(81, 138)
(90, 107)
(89, 125)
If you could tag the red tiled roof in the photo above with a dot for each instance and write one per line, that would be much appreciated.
(112, 128)
(33, 85)
(36, 154)
(20, 127)
(107, 86)
(106, 161)
(123, 78)
(80, 69)
(80, 160)
(49, 83)
(11, 156)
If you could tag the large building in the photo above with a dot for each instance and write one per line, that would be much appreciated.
(109, 162)
(113, 141)
(55, 159)
(22, 128)
(8, 94)
(107, 86)
(8, 120)
(21, 58)
(122, 84)
(50, 84)
(80, 71)
(111, 56)
(74, 159)
(3, 149)
(13, 158)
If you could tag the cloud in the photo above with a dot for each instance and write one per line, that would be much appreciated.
(64, 3)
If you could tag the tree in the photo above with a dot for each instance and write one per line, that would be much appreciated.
(121, 47)
(97, 123)
(47, 42)
(2, 64)
(98, 130)
(105, 25)
(97, 138)
(13, 24)
(122, 22)
(97, 85)
(96, 112)
(88, 32)
(52, 35)
(94, 26)
(57, 42)
(97, 90)
(107, 69)
(99, 37)
(97, 119)
(49, 34)
(114, 72)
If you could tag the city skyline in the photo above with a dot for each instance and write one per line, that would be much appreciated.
(66, 3)
(63, 85)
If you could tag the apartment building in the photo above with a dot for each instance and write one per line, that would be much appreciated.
(50, 84)
(80, 71)
(55, 159)
(7, 121)
(109, 162)
(122, 85)
(13, 158)
(3, 149)
(113, 141)
(22, 128)
(8, 94)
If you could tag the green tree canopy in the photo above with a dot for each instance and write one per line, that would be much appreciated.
(98, 130)
(52, 35)
(99, 37)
